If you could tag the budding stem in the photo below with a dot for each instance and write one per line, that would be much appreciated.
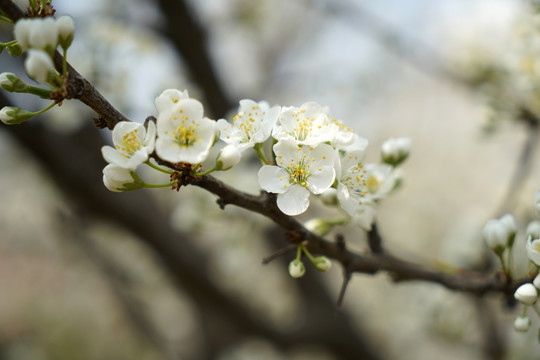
(159, 185)
(149, 163)
(260, 153)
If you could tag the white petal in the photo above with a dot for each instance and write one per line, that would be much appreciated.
(294, 201)
(168, 98)
(273, 179)
(125, 127)
(150, 137)
(321, 180)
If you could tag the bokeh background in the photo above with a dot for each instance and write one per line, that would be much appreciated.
(89, 274)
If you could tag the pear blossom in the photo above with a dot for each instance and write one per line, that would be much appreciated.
(183, 134)
(12, 83)
(116, 178)
(228, 157)
(132, 144)
(299, 171)
(168, 98)
(308, 124)
(38, 65)
(345, 136)
(526, 294)
(11, 115)
(533, 250)
(252, 124)
(395, 151)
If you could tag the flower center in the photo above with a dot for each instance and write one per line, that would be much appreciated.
(373, 184)
(298, 174)
(186, 136)
(130, 144)
(356, 180)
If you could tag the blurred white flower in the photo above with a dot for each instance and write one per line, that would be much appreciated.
(495, 234)
(297, 268)
(322, 263)
(66, 28)
(533, 229)
(522, 324)
(43, 34)
(116, 178)
(533, 250)
(21, 31)
(132, 144)
(299, 171)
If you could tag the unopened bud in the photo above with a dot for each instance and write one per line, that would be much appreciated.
(11, 115)
(522, 323)
(38, 65)
(297, 268)
(395, 151)
(510, 224)
(329, 197)
(228, 157)
(322, 263)
(14, 50)
(495, 235)
(12, 83)
(526, 294)
(66, 28)
(533, 229)
(319, 226)
(117, 179)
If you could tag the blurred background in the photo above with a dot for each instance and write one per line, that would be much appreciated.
(90, 274)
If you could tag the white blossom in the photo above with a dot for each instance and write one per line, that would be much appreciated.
(299, 171)
(183, 134)
(533, 250)
(308, 124)
(533, 229)
(116, 178)
(168, 98)
(495, 234)
(132, 144)
(345, 136)
(526, 294)
(38, 65)
(252, 124)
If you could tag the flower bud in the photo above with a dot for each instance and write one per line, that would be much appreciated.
(66, 28)
(228, 157)
(495, 235)
(43, 34)
(14, 50)
(329, 197)
(10, 82)
(526, 294)
(522, 323)
(11, 115)
(297, 268)
(319, 226)
(116, 178)
(38, 65)
(395, 151)
(510, 224)
(21, 31)
(533, 229)
(322, 263)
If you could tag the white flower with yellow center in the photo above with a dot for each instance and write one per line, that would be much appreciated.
(252, 124)
(308, 124)
(183, 134)
(132, 144)
(299, 171)
(168, 98)
(345, 136)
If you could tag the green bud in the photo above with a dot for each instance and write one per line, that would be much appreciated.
(11, 115)
(318, 226)
(10, 82)
(14, 50)
(322, 263)
(297, 268)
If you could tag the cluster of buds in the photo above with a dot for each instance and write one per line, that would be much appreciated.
(39, 38)
(297, 269)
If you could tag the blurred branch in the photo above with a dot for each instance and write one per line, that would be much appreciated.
(189, 38)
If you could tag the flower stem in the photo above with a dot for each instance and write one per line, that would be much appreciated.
(260, 153)
(509, 263)
(205, 172)
(9, 43)
(299, 252)
(305, 250)
(159, 185)
(6, 19)
(42, 93)
(43, 110)
(524, 312)
(503, 265)
(149, 163)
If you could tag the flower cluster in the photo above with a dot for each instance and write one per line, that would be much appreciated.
(39, 38)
